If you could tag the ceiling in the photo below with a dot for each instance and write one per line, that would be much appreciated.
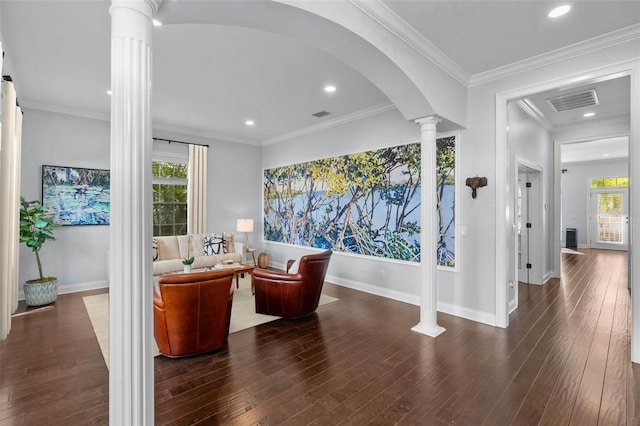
(601, 149)
(209, 79)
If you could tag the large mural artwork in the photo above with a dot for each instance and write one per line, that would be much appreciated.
(365, 203)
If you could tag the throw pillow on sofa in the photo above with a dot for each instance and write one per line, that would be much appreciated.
(214, 244)
(155, 249)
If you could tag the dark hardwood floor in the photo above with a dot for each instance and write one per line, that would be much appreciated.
(564, 360)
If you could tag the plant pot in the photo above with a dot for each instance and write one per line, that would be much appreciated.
(38, 293)
(186, 268)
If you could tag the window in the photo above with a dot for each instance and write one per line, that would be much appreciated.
(169, 197)
(619, 182)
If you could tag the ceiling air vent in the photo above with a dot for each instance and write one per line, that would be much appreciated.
(574, 100)
(321, 114)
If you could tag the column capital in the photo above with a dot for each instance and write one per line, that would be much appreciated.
(427, 121)
(146, 7)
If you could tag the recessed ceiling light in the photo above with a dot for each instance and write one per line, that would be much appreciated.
(605, 155)
(109, 92)
(588, 114)
(330, 89)
(559, 11)
(156, 23)
(249, 123)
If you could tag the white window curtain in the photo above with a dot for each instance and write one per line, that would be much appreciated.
(197, 190)
(10, 159)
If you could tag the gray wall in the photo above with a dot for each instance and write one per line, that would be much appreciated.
(78, 257)
(576, 189)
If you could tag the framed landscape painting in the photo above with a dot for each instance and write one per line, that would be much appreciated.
(75, 195)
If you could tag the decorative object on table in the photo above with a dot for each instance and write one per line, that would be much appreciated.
(35, 229)
(474, 183)
(188, 261)
(264, 260)
(291, 295)
(75, 195)
(246, 226)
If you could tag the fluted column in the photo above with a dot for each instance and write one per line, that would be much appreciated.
(131, 383)
(428, 298)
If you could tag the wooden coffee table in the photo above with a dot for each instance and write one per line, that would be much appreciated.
(239, 269)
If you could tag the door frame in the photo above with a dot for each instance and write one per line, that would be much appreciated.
(629, 68)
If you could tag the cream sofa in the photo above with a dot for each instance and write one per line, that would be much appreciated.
(168, 252)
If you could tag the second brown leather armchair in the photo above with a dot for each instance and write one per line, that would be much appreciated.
(192, 312)
(291, 295)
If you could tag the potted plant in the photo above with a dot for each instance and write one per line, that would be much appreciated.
(35, 229)
(187, 262)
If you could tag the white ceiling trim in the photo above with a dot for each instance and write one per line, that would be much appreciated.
(389, 20)
(26, 103)
(358, 115)
(596, 43)
(590, 123)
(203, 133)
(527, 106)
(156, 126)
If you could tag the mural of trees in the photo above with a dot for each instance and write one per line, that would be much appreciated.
(366, 203)
(445, 207)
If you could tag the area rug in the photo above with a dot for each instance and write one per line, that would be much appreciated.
(243, 314)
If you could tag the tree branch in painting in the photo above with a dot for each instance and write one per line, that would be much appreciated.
(365, 203)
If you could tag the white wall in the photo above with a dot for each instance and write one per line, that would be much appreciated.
(78, 256)
(576, 189)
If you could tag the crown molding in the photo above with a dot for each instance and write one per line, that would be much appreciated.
(61, 109)
(390, 21)
(203, 133)
(592, 123)
(358, 115)
(529, 108)
(583, 47)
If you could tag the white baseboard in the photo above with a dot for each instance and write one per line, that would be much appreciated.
(378, 291)
(466, 313)
(75, 288)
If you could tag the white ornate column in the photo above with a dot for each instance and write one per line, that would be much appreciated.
(131, 384)
(428, 298)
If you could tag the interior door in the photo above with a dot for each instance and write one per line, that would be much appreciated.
(522, 212)
(609, 219)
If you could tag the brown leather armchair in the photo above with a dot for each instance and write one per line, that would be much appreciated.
(192, 312)
(291, 295)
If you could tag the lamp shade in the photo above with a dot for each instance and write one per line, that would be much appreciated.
(244, 225)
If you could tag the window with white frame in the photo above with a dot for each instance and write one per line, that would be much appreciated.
(169, 195)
